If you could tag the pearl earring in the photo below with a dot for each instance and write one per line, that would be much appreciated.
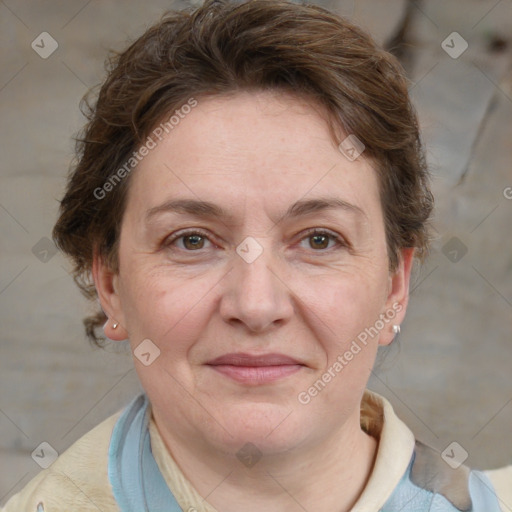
(396, 329)
(114, 325)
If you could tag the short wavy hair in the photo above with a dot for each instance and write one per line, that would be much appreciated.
(223, 47)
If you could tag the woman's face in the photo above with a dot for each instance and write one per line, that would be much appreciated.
(240, 307)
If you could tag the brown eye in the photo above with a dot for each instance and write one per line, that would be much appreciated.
(193, 241)
(319, 240)
(188, 241)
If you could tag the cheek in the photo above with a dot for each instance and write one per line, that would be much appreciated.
(346, 310)
(169, 310)
(349, 345)
(350, 303)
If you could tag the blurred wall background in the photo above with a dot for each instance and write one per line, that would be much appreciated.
(449, 377)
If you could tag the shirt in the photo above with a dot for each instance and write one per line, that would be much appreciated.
(407, 475)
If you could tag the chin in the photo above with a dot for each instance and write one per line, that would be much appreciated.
(270, 427)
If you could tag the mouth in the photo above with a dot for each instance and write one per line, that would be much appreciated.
(255, 370)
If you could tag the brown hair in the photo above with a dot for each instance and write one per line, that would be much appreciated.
(222, 47)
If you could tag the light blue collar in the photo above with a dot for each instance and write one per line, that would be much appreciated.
(138, 484)
(136, 480)
(407, 496)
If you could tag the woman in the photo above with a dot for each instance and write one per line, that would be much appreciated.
(249, 197)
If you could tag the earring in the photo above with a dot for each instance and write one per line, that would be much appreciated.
(114, 325)
(396, 329)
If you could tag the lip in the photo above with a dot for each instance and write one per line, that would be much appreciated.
(243, 359)
(255, 369)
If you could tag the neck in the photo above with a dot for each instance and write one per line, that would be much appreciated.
(327, 475)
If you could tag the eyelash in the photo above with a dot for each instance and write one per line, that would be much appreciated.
(309, 233)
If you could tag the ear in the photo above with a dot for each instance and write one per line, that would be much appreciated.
(398, 295)
(106, 283)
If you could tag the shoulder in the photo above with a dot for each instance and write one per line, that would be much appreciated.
(440, 482)
(77, 480)
(501, 480)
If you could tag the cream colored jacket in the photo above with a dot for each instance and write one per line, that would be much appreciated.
(78, 480)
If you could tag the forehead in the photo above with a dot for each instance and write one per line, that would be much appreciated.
(260, 148)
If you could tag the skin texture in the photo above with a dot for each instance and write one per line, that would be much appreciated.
(304, 296)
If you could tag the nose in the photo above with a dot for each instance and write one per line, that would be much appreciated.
(256, 294)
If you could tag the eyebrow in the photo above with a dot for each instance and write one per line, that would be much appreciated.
(207, 209)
